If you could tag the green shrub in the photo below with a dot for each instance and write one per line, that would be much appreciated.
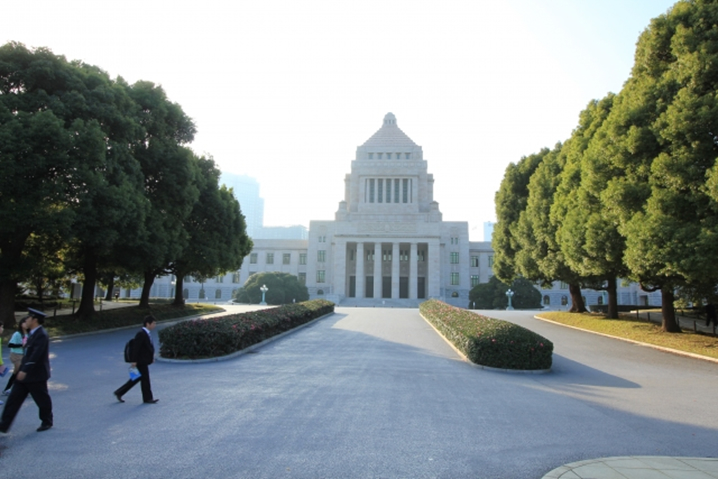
(213, 337)
(487, 341)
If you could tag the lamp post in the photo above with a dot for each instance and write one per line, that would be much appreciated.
(264, 290)
(509, 294)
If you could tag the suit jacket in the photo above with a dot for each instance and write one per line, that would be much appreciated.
(36, 362)
(144, 350)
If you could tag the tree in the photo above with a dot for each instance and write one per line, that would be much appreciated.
(586, 231)
(662, 134)
(110, 205)
(282, 288)
(510, 202)
(539, 256)
(42, 145)
(492, 295)
(169, 171)
(217, 232)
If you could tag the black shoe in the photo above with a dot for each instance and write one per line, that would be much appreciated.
(44, 427)
(119, 397)
(3, 430)
(154, 401)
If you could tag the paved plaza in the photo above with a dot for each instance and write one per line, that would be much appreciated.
(366, 393)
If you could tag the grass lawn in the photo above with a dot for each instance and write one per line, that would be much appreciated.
(64, 324)
(639, 330)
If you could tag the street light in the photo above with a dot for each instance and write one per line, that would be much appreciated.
(509, 294)
(264, 290)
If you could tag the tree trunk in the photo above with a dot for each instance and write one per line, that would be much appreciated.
(40, 290)
(110, 289)
(669, 312)
(612, 299)
(577, 304)
(87, 301)
(179, 294)
(7, 303)
(149, 280)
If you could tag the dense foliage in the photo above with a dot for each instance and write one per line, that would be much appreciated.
(214, 337)
(282, 288)
(634, 192)
(487, 341)
(98, 183)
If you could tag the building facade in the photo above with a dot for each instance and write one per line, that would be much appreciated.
(387, 244)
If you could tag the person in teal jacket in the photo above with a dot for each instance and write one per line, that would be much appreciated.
(17, 349)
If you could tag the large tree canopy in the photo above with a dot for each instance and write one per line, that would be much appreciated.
(663, 147)
(98, 170)
(62, 138)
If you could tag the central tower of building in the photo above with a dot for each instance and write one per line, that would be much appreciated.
(387, 237)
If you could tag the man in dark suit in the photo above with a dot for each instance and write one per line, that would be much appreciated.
(143, 353)
(33, 375)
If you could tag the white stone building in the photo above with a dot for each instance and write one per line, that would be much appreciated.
(386, 246)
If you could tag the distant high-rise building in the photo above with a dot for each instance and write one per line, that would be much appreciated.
(295, 232)
(246, 190)
(488, 230)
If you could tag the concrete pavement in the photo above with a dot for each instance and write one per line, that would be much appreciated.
(366, 393)
(639, 467)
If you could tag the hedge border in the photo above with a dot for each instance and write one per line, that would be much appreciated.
(481, 366)
(225, 336)
(241, 352)
(444, 321)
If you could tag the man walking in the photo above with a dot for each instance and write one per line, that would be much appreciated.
(33, 375)
(143, 354)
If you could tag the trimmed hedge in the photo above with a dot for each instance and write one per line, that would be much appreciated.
(214, 337)
(487, 341)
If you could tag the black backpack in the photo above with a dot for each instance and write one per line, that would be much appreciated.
(129, 351)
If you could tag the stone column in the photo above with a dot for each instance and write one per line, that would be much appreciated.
(360, 271)
(413, 272)
(339, 269)
(395, 271)
(433, 269)
(377, 270)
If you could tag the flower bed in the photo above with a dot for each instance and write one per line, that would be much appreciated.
(487, 341)
(214, 337)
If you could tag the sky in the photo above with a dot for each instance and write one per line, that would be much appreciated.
(285, 90)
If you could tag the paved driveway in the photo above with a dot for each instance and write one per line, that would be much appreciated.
(365, 393)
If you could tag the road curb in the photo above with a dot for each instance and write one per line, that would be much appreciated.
(639, 343)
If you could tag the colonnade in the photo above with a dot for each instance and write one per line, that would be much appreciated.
(386, 269)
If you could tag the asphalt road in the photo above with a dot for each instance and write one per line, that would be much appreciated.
(365, 393)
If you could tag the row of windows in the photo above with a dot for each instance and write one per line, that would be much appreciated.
(388, 190)
(286, 258)
(386, 256)
(218, 279)
(389, 156)
(474, 260)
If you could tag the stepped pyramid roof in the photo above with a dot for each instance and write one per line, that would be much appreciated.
(389, 135)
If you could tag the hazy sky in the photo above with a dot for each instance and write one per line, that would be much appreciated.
(285, 91)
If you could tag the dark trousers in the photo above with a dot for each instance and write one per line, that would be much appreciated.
(10, 381)
(18, 394)
(144, 381)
